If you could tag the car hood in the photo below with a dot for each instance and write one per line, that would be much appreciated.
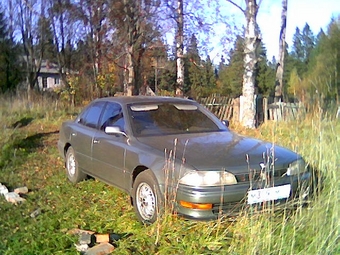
(221, 150)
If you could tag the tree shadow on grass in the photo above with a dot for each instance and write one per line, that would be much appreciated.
(33, 142)
(22, 122)
(19, 149)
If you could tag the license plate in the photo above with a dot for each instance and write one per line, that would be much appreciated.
(268, 194)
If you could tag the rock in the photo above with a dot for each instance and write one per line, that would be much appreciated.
(14, 198)
(3, 189)
(21, 190)
(87, 238)
(78, 231)
(82, 247)
(35, 213)
(100, 249)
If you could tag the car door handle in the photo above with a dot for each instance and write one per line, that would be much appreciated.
(96, 141)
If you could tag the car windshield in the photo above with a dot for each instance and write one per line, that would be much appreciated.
(169, 118)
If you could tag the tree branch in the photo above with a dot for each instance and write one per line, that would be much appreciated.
(236, 5)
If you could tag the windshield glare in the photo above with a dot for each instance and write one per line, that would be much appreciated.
(167, 118)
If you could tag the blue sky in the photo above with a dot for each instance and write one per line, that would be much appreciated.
(317, 13)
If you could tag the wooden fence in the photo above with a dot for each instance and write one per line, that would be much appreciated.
(222, 107)
(229, 109)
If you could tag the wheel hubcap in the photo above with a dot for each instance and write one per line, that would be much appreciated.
(146, 201)
(71, 164)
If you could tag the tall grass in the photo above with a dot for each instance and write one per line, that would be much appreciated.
(28, 135)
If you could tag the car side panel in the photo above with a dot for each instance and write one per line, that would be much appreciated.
(81, 138)
(108, 153)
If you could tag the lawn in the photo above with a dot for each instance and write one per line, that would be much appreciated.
(29, 157)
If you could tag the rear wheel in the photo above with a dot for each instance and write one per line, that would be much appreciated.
(73, 173)
(147, 198)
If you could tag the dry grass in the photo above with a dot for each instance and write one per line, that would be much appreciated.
(28, 135)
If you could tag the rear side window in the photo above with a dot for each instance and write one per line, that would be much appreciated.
(90, 117)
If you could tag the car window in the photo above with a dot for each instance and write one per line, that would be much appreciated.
(90, 116)
(170, 118)
(112, 116)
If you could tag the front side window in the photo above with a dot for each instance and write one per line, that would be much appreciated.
(90, 117)
(112, 116)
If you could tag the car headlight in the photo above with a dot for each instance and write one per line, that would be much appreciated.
(208, 178)
(297, 167)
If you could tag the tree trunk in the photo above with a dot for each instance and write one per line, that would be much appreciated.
(250, 59)
(179, 50)
(282, 48)
(130, 71)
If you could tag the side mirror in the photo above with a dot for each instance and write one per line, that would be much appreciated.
(114, 130)
(225, 123)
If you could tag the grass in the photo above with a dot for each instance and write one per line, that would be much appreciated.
(29, 157)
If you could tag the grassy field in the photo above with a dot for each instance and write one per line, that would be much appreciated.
(29, 157)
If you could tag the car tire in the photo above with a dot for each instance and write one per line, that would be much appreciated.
(147, 198)
(72, 171)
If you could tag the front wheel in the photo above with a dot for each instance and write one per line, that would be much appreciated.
(147, 198)
(73, 173)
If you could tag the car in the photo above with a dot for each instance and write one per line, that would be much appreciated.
(168, 152)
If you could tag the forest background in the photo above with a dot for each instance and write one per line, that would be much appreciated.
(91, 41)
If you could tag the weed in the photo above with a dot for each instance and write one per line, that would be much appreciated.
(29, 157)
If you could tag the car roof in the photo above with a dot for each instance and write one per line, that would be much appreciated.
(144, 99)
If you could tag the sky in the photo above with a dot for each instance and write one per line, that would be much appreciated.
(317, 13)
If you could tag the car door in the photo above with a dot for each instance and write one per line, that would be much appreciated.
(108, 151)
(83, 132)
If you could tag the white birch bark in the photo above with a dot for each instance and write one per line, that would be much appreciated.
(250, 60)
(179, 49)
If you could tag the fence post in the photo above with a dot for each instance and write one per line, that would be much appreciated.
(265, 109)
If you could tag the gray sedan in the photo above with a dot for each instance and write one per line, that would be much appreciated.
(173, 153)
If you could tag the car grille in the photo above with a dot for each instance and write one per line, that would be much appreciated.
(256, 175)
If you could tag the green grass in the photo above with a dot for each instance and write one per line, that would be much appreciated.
(29, 157)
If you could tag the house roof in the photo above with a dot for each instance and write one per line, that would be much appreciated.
(48, 67)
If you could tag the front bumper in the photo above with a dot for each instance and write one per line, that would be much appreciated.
(230, 199)
(61, 148)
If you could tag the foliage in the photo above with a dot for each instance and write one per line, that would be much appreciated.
(93, 41)
(9, 67)
(200, 76)
(265, 74)
(231, 74)
(321, 64)
(29, 157)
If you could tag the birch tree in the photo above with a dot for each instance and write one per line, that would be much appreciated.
(180, 49)
(251, 42)
(282, 47)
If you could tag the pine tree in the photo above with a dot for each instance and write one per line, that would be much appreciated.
(298, 51)
(265, 75)
(321, 79)
(308, 40)
(303, 44)
(193, 68)
(230, 76)
(9, 67)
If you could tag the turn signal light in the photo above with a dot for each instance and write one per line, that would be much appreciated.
(195, 206)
